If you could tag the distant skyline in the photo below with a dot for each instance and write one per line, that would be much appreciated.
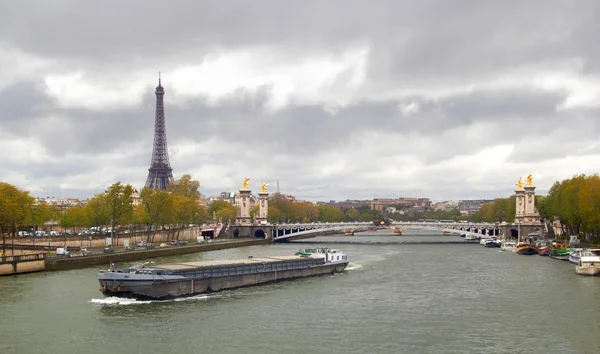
(337, 100)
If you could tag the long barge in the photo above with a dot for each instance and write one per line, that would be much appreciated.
(191, 278)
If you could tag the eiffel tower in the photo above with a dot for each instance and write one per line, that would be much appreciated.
(160, 172)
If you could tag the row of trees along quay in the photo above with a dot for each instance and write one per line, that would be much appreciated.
(172, 209)
(575, 202)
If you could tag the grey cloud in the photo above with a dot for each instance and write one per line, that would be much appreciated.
(425, 44)
(21, 103)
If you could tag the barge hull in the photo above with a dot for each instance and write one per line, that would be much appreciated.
(167, 289)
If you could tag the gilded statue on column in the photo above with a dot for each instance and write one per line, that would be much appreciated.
(263, 187)
(530, 181)
(520, 183)
(246, 183)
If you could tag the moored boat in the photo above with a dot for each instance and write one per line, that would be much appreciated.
(190, 278)
(575, 255)
(526, 249)
(560, 251)
(508, 246)
(544, 251)
(562, 254)
(588, 265)
(490, 242)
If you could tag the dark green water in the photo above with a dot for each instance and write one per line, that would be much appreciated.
(392, 299)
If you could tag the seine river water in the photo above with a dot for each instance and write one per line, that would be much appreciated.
(393, 298)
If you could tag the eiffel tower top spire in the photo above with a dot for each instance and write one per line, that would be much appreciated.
(160, 172)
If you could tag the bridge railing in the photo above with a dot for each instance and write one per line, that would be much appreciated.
(322, 224)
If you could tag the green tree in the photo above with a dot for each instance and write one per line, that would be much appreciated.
(274, 215)
(186, 187)
(42, 213)
(223, 210)
(78, 216)
(284, 205)
(589, 206)
(353, 214)
(15, 210)
(330, 214)
(185, 211)
(304, 212)
(97, 210)
(158, 205)
(119, 203)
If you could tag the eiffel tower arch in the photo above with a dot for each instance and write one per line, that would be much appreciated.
(160, 173)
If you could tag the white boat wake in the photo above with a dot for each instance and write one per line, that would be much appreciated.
(121, 301)
(353, 266)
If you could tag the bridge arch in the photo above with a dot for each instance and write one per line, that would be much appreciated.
(260, 233)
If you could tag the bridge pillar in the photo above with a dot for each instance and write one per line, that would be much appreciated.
(244, 215)
(263, 208)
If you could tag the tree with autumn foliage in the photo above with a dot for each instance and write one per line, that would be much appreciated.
(223, 210)
(576, 203)
(15, 210)
(158, 205)
(186, 203)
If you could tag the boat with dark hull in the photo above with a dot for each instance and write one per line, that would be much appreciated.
(526, 249)
(191, 278)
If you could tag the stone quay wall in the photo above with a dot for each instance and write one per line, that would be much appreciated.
(21, 264)
(99, 241)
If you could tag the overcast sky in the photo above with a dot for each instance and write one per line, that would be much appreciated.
(333, 99)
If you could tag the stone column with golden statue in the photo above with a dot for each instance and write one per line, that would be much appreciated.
(528, 223)
(520, 202)
(531, 216)
(263, 206)
(244, 215)
(244, 228)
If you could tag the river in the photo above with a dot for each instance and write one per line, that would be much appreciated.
(393, 298)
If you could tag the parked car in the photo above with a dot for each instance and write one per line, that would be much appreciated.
(63, 252)
(163, 245)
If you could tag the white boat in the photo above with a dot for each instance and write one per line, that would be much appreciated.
(508, 246)
(575, 255)
(588, 265)
(470, 237)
